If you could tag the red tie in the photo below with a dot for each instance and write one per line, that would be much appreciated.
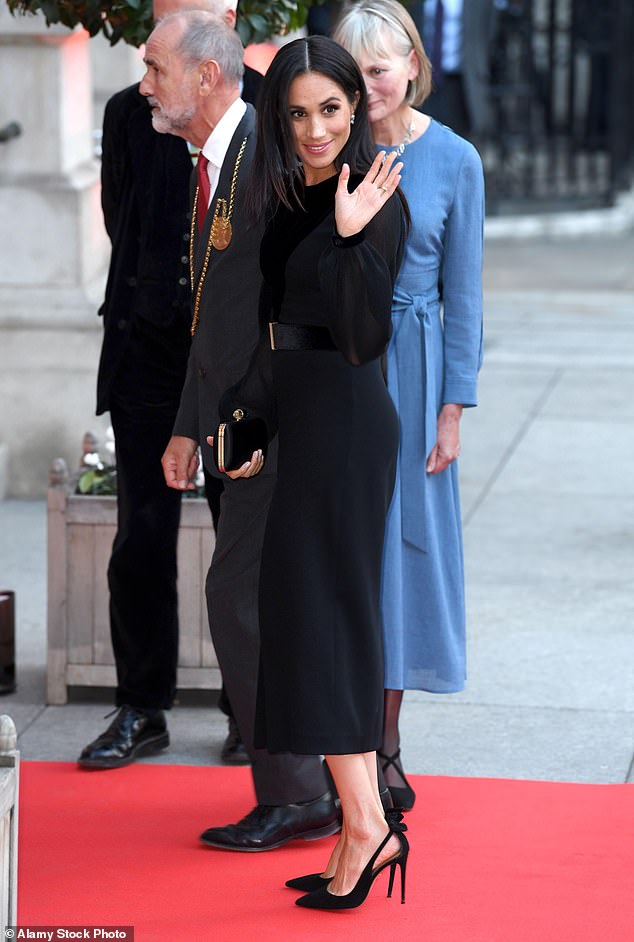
(203, 189)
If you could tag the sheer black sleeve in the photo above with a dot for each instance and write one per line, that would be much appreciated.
(357, 278)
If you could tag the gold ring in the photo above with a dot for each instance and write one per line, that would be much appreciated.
(384, 188)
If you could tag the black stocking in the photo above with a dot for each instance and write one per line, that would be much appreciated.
(391, 736)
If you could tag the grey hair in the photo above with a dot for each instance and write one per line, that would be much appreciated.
(205, 37)
(365, 25)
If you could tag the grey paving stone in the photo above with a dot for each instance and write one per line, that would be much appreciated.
(197, 735)
(60, 733)
(516, 742)
(523, 331)
(23, 570)
(22, 714)
(531, 649)
(30, 681)
(572, 456)
(595, 395)
(581, 357)
(585, 263)
(511, 395)
(529, 537)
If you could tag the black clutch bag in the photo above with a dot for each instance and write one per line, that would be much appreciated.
(235, 441)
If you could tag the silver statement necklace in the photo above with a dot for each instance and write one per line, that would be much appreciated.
(408, 136)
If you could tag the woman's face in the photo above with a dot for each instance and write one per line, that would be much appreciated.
(386, 78)
(320, 117)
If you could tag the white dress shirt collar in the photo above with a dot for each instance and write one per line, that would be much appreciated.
(217, 144)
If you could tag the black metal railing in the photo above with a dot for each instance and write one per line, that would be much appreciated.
(562, 87)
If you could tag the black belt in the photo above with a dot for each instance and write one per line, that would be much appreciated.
(299, 337)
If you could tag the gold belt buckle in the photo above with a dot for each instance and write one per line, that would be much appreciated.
(272, 324)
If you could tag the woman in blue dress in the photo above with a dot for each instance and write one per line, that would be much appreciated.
(433, 361)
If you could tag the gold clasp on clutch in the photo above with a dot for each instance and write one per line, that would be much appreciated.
(239, 415)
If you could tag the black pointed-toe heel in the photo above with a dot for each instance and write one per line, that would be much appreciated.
(309, 883)
(403, 797)
(323, 899)
(315, 881)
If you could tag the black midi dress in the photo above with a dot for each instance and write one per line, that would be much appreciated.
(321, 669)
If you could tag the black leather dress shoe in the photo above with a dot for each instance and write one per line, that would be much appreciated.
(132, 733)
(270, 826)
(233, 751)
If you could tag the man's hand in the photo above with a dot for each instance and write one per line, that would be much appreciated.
(180, 463)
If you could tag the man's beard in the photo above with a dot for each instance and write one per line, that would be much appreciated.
(170, 122)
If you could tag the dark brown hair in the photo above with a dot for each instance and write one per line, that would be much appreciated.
(276, 172)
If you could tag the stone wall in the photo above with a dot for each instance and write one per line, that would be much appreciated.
(53, 249)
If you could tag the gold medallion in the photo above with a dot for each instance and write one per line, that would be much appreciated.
(219, 236)
(221, 227)
(220, 233)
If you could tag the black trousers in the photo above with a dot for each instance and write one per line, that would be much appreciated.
(142, 569)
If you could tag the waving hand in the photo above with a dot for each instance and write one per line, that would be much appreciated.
(353, 211)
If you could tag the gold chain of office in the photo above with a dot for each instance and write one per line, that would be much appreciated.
(219, 235)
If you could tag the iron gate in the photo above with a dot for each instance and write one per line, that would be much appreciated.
(562, 88)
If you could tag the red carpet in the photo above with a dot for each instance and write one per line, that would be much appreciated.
(491, 861)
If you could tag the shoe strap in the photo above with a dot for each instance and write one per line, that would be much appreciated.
(402, 840)
(380, 848)
(392, 760)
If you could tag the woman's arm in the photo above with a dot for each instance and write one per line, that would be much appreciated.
(358, 270)
(462, 309)
(462, 284)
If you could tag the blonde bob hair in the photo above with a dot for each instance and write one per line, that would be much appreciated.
(363, 28)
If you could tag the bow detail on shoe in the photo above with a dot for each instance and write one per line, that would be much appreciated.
(394, 820)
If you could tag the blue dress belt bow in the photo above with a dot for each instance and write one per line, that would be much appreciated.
(410, 359)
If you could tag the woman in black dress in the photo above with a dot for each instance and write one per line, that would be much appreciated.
(329, 257)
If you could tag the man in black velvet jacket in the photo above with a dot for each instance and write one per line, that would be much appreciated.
(147, 317)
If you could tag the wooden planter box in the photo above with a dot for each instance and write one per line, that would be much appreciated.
(80, 534)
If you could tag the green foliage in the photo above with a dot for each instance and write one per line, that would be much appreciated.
(98, 481)
(131, 20)
(259, 21)
(102, 482)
